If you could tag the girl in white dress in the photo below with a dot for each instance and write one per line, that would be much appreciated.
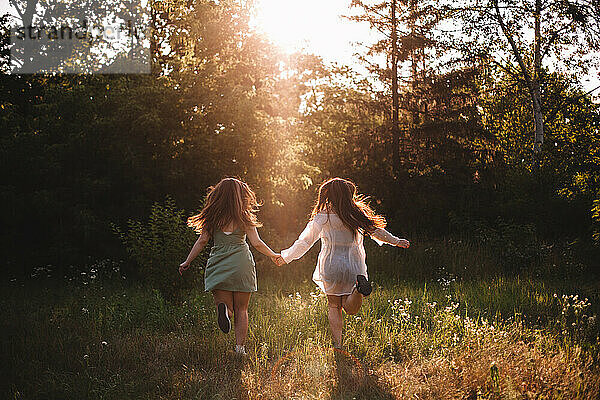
(340, 219)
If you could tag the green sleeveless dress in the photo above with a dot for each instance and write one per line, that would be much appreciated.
(230, 265)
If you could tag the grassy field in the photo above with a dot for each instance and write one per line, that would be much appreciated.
(446, 337)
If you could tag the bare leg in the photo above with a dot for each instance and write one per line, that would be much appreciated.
(224, 296)
(336, 319)
(240, 310)
(352, 302)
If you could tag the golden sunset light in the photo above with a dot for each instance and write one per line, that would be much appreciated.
(300, 199)
(315, 26)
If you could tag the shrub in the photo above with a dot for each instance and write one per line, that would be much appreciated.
(517, 247)
(596, 219)
(158, 246)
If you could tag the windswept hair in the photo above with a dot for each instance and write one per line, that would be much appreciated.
(230, 200)
(339, 196)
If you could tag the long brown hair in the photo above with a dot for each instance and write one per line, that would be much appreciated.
(230, 200)
(339, 196)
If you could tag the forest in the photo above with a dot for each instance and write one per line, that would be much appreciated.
(467, 124)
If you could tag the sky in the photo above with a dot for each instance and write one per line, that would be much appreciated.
(317, 26)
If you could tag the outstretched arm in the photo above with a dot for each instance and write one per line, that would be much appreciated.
(196, 249)
(382, 236)
(259, 245)
(305, 241)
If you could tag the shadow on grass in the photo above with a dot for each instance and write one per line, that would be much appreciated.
(322, 373)
(353, 381)
(223, 380)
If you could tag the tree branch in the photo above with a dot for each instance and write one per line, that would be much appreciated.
(569, 100)
(514, 47)
(14, 4)
(554, 36)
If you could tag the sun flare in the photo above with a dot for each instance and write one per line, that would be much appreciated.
(315, 26)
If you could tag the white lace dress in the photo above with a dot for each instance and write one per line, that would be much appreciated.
(342, 255)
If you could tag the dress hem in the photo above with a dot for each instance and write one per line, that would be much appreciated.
(339, 295)
(231, 290)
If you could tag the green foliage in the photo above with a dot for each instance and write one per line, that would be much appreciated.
(596, 218)
(78, 153)
(562, 185)
(515, 245)
(158, 246)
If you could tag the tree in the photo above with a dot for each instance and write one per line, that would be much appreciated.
(78, 37)
(567, 178)
(522, 37)
(407, 45)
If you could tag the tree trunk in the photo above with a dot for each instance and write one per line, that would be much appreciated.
(153, 33)
(414, 70)
(532, 81)
(27, 20)
(537, 68)
(538, 117)
(395, 101)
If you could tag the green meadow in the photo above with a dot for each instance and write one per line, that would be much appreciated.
(435, 335)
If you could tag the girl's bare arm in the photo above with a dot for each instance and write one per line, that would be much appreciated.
(258, 244)
(196, 249)
(381, 235)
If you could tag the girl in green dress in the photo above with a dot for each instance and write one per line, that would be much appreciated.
(228, 216)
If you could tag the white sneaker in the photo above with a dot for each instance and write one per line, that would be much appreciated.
(240, 349)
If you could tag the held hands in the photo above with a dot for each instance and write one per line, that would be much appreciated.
(278, 260)
(405, 244)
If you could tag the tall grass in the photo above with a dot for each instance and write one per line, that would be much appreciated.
(425, 332)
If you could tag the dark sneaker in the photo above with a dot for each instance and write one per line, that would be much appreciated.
(363, 286)
(223, 318)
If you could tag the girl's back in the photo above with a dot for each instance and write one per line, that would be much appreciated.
(342, 254)
(236, 237)
(231, 264)
(335, 230)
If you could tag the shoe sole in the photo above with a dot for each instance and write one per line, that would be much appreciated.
(223, 318)
(363, 285)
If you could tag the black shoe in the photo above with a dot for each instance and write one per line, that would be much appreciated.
(363, 286)
(223, 318)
